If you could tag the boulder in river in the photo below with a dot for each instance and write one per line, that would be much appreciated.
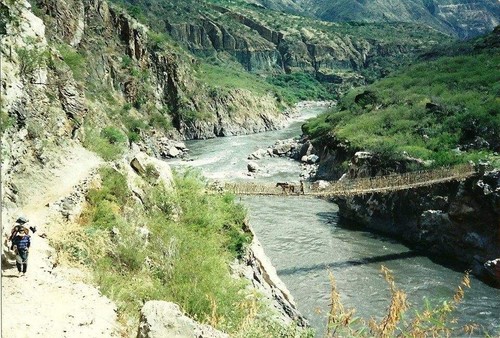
(252, 167)
(493, 269)
(258, 154)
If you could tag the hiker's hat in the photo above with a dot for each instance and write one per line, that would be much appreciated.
(22, 220)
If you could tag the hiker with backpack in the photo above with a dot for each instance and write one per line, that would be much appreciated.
(17, 227)
(21, 242)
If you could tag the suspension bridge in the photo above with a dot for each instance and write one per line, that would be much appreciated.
(349, 187)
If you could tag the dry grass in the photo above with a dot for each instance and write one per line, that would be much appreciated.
(339, 319)
(430, 322)
(396, 309)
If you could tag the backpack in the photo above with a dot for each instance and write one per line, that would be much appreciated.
(22, 243)
(15, 230)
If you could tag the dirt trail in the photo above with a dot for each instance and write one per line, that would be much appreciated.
(47, 302)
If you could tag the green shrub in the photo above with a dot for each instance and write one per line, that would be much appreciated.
(113, 135)
(31, 60)
(75, 61)
(5, 121)
(126, 61)
(158, 40)
(298, 86)
(103, 216)
(106, 202)
(230, 76)
(159, 120)
(113, 188)
(100, 145)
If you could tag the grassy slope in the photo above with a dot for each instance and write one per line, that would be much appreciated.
(297, 28)
(427, 111)
(193, 238)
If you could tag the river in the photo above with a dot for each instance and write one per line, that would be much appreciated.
(303, 239)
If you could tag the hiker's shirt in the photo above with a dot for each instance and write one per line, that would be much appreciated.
(22, 243)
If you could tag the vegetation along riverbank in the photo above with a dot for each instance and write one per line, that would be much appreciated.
(96, 94)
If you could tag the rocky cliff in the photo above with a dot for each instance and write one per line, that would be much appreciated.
(264, 46)
(269, 42)
(463, 18)
(78, 62)
(455, 223)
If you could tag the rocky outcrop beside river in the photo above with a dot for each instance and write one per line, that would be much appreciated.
(258, 269)
(457, 223)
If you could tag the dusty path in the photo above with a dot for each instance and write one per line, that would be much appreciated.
(45, 302)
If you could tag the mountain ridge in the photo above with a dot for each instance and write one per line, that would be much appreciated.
(460, 18)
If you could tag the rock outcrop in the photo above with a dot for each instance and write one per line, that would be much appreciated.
(461, 18)
(456, 223)
(258, 269)
(269, 42)
(164, 319)
(44, 79)
(334, 57)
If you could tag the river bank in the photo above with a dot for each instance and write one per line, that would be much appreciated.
(303, 238)
(455, 223)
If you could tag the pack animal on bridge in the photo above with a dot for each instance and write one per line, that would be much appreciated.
(287, 187)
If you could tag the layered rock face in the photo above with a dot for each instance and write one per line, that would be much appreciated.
(172, 85)
(468, 18)
(457, 222)
(462, 18)
(335, 58)
(43, 95)
(269, 42)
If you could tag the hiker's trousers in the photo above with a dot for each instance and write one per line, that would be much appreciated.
(22, 261)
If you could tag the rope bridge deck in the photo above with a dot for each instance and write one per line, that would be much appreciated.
(352, 187)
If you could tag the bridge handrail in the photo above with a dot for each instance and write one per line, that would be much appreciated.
(361, 185)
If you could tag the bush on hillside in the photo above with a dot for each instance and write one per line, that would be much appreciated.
(445, 111)
(113, 135)
(299, 87)
(194, 236)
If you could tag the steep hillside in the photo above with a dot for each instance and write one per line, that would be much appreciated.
(438, 112)
(461, 18)
(270, 42)
(105, 69)
(82, 73)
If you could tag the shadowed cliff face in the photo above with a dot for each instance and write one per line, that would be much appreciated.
(457, 221)
(460, 18)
